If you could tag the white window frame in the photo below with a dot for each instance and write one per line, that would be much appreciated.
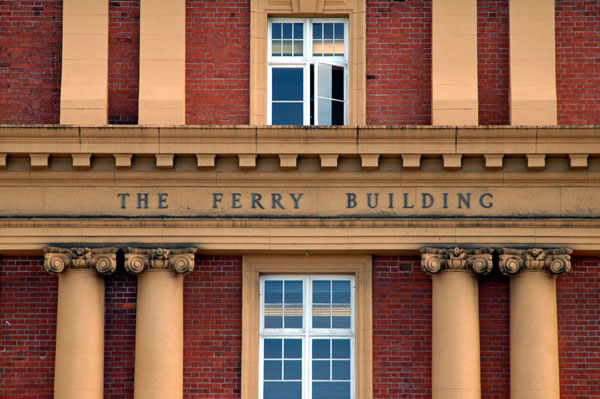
(305, 61)
(307, 333)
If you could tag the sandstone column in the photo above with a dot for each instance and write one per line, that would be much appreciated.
(159, 323)
(79, 364)
(455, 347)
(534, 372)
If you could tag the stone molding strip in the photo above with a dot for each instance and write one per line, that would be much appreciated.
(556, 261)
(435, 260)
(104, 260)
(577, 143)
(180, 261)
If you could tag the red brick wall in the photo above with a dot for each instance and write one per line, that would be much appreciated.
(213, 328)
(578, 62)
(579, 330)
(493, 62)
(119, 334)
(401, 329)
(28, 298)
(218, 62)
(30, 61)
(123, 65)
(399, 62)
(495, 339)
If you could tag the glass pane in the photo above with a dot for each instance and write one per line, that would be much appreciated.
(339, 48)
(328, 47)
(325, 112)
(287, 114)
(293, 348)
(276, 31)
(337, 83)
(321, 291)
(273, 291)
(293, 292)
(293, 316)
(272, 348)
(321, 316)
(298, 49)
(287, 84)
(341, 291)
(292, 369)
(272, 370)
(317, 31)
(339, 31)
(341, 316)
(276, 48)
(273, 316)
(331, 390)
(287, 48)
(340, 370)
(283, 390)
(317, 48)
(320, 349)
(287, 31)
(328, 31)
(298, 31)
(320, 370)
(340, 348)
(324, 82)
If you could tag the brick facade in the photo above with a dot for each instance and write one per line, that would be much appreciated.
(217, 71)
(212, 332)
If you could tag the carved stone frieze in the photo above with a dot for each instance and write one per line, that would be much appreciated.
(104, 260)
(435, 260)
(180, 261)
(555, 261)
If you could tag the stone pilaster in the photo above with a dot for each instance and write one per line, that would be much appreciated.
(79, 364)
(455, 348)
(534, 372)
(159, 324)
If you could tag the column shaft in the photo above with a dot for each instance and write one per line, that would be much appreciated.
(456, 364)
(159, 336)
(79, 369)
(534, 372)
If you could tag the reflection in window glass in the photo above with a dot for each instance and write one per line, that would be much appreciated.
(287, 39)
(287, 96)
(328, 39)
(282, 368)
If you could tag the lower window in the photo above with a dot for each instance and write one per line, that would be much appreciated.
(307, 339)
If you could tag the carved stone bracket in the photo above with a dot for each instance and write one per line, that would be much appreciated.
(180, 261)
(556, 261)
(435, 260)
(104, 260)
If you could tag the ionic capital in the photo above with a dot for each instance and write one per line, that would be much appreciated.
(180, 261)
(104, 260)
(556, 261)
(435, 260)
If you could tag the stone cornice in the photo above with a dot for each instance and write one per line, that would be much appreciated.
(407, 142)
(180, 261)
(104, 260)
(556, 261)
(435, 260)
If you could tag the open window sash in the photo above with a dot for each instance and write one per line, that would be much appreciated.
(330, 94)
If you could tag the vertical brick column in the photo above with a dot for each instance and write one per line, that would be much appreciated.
(456, 370)
(84, 85)
(532, 62)
(534, 372)
(159, 323)
(162, 62)
(79, 364)
(454, 63)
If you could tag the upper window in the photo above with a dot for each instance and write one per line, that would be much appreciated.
(307, 337)
(308, 72)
